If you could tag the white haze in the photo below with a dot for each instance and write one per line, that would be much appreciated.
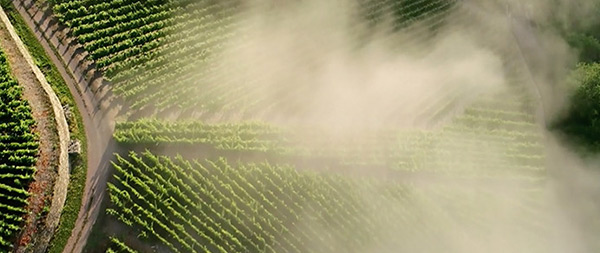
(313, 62)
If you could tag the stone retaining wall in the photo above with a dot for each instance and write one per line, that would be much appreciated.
(62, 182)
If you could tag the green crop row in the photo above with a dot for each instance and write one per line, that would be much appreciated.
(478, 147)
(213, 205)
(18, 155)
(147, 47)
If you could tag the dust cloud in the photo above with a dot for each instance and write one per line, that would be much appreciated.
(319, 63)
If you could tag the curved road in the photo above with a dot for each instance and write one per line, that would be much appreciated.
(99, 108)
(95, 103)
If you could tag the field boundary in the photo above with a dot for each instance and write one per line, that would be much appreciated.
(96, 104)
(62, 182)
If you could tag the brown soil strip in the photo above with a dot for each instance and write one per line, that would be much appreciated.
(40, 188)
(55, 134)
(95, 102)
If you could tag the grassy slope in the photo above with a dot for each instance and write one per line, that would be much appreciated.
(78, 164)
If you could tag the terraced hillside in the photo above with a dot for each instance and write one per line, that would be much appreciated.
(460, 148)
(216, 206)
(493, 146)
(215, 183)
(270, 199)
(162, 54)
(18, 155)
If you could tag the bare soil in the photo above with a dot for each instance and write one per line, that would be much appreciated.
(47, 163)
(93, 99)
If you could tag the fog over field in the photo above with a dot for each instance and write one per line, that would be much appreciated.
(320, 64)
(310, 65)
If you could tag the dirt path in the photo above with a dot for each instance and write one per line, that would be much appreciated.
(41, 187)
(32, 77)
(95, 103)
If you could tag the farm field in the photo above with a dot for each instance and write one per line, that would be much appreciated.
(19, 151)
(217, 206)
(308, 126)
(47, 180)
(209, 171)
(417, 167)
(253, 169)
(517, 151)
(145, 47)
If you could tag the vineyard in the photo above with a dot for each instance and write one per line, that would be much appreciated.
(462, 146)
(18, 155)
(217, 206)
(119, 246)
(201, 170)
(163, 54)
(195, 200)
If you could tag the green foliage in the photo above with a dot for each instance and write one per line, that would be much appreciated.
(212, 206)
(582, 123)
(583, 120)
(5, 4)
(117, 246)
(78, 164)
(514, 134)
(409, 10)
(403, 12)
(147, 49)
(217, 206)
(18, 155)
(587, 45)
(238, 136)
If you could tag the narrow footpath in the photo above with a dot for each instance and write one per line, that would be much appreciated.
(94, 100)
(52, 176)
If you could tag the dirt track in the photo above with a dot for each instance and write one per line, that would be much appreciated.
(32, 76)
(41, 187)
(95, 103)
